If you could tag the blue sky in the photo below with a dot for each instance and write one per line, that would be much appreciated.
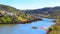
(30, 4)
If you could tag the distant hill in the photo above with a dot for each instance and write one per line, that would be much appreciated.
(47, 11)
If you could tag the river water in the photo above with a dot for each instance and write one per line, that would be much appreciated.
(26, 28)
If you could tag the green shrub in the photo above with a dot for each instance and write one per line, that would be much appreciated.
(6, 19)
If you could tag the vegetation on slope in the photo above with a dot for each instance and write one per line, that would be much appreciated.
(55, 29)
(47, 12)
(10, 15)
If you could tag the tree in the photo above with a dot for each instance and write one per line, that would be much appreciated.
(6, 19)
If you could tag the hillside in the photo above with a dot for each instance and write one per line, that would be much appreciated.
(47, 12)
(11, 15)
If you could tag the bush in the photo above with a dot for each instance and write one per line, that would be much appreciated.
(6, 19)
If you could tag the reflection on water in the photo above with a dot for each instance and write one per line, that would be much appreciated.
(25, 28)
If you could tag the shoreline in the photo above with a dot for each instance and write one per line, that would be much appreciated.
(54, 28)
(25, 22)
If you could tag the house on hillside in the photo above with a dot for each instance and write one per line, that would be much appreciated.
(10, 14)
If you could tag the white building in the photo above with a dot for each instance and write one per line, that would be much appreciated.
(10, 14)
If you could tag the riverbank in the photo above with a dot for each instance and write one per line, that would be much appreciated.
(17, 20)
(54, 29)
(29, 21)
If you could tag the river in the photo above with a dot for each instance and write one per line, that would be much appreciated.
(26, 28)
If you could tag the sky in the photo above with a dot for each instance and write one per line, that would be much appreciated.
(30, 4)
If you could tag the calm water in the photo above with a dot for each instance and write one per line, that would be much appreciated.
(26, 28)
